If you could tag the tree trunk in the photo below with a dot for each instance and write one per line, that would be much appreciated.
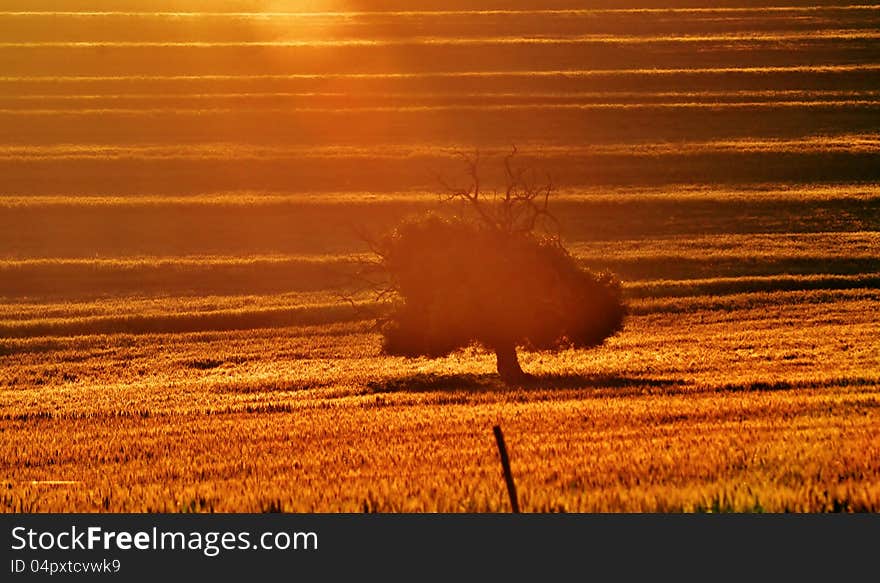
(508, 365)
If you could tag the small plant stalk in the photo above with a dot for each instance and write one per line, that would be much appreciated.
(505, 465)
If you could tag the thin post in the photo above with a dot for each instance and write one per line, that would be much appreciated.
(505, 465)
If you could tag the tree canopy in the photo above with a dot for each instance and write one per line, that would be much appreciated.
(490, 277)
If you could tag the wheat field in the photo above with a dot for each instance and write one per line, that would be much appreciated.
(183, 191)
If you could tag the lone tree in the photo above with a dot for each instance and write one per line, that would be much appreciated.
(493, 276)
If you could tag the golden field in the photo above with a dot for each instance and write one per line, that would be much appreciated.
(181, 190)
(760, 401)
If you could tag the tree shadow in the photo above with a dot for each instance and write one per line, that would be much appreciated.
(431, 382)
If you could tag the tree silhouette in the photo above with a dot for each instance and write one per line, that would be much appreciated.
(495, 275)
